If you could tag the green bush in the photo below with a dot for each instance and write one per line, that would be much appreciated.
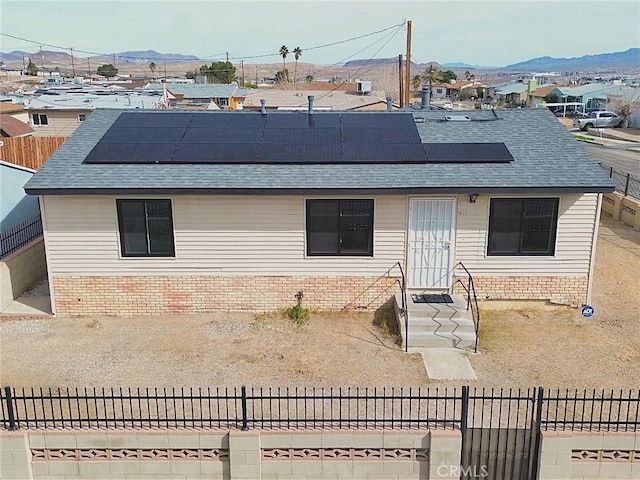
(298, 314)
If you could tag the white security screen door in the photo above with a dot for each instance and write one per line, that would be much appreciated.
(430, 241)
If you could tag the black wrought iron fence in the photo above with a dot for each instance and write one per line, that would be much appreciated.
(296, 408)
(626, 183)
(17, 237)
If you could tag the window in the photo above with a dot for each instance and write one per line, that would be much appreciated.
(40, 119)
(82, 117)
(522, 226)
(146, 228)
(340, 227)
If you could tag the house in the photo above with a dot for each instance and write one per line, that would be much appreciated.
(537, 97)
(594, 96)
(453, 89)
(276, 99)
(200, 95)
(14, 110)
(12, 127)
(155, 212)
(59, 114)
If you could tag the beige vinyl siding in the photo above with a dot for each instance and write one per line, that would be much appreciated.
(226, 235)
(62, 123)
(576, 223)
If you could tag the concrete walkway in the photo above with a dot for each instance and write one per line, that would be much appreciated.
(446, 364)
(28, 306)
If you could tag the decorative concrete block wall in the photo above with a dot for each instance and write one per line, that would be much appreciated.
(623, 209)
(254, 454)
(20, 270)
(589, 455)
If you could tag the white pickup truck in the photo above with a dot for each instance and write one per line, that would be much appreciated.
(598, 120)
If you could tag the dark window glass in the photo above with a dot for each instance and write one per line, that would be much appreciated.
(82, 117)
(524, 226)
(146, 228)
(36, 119)
(44, 120)
(340, 227)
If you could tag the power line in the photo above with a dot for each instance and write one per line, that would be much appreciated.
(183, 59)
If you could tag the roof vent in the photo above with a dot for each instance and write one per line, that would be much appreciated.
(457, 118)
(419, 119)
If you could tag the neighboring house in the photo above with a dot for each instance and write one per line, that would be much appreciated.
(514, 94)
(225, 96)
(276, 99)
(243, 210)
(452, 90)
(60, 114)
(14, 110)
(12, 127)
(594, 96)
(537, 97)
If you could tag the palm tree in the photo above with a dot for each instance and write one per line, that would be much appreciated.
(284, 51)
(152, 67)
(432, 75)
(416, 81)
(467, 75)
(297, 53)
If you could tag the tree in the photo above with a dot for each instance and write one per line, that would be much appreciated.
(467, 75)
(416, 81)
(627, 102)
(284, 51)
(449, 75)
(152, 67)
(309, 79)
(432, 75)
(107, 70)
(32, 69)
(480, 92)
(219, 72)
(282, 76)
(297, 53)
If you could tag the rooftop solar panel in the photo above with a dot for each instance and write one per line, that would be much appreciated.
(467, 153)
(143, 135)
(302, 136)
(303, 120)
(131, 153)
(153, 120)
(222, 135)
(299, 154)
(376, 136)
(219, 153)
(228, 120)
(378, 120)
(383, 154)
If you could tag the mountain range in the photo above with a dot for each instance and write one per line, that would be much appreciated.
(615, 60)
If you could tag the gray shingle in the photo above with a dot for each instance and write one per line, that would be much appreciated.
(546, 158)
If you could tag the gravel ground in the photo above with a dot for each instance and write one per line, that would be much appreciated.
(553, 348)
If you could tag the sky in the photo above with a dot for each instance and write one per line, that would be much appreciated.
(477, 32)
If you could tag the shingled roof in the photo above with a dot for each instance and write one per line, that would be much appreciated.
(546, 159)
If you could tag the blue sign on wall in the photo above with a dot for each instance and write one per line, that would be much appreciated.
(588, 311)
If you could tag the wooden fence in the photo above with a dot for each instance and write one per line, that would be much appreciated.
(30, 152)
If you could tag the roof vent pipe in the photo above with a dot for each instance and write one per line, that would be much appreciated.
(389, 104)
(310, 97)
(263, 109)
(425, 98)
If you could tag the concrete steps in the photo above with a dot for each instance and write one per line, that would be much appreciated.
(436, 325)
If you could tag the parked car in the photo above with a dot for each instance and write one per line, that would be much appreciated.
(448, 105)
(598, 120)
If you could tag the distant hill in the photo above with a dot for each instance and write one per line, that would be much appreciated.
(148, 56)
(467, 66)
(13, 56)
(382, 62)
(628, 58)
(36, 57)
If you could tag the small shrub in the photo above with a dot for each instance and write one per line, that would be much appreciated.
(298, 314)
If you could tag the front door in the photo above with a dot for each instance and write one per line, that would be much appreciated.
(431, 225)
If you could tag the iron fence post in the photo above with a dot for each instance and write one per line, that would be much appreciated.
(464, 417)
(537, 430)
(626, 185)
(610, 172)
(10, 412)
(245, 423)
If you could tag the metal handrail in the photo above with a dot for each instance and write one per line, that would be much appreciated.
(403, 308)
(470, 288)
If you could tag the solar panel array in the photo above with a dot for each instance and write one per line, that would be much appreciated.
(281, 138)
(467, 153)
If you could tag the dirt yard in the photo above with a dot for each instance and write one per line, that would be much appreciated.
(552, 348)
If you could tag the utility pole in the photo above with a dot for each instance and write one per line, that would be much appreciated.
(73, 65)
(256, 74)
(407, 86)
(89, 67)
(24, 67)
(227, 65)
(165, 71)
(242, 67)
(401, 96)
(114, 59)
(42, 59)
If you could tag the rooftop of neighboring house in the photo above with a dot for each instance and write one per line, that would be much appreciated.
(334, 100)
(302, 160)
(93, 101)
(8, 107)
(200, 90)
(592, 88)
(543, 91)
(12, 127)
